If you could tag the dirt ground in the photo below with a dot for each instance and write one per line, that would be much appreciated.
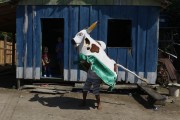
(119, 105)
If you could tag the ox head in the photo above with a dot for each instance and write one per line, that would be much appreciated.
(80, 36)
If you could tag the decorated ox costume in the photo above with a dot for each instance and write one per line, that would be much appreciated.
(92, 52)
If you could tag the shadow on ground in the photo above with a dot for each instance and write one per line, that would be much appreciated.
(64, 102)
(143, 100)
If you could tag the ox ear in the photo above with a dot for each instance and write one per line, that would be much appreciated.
(92, 27)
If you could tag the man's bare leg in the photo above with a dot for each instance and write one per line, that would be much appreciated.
(99, 107)
(84, 98)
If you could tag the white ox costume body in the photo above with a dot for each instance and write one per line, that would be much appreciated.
(92, 52)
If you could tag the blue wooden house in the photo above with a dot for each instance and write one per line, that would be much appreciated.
(128, 27)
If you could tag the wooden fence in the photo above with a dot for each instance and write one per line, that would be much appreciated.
(6, 52)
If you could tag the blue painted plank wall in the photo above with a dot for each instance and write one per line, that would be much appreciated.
(73, 54)
(141, 41)
(19, 41)
(141, 58)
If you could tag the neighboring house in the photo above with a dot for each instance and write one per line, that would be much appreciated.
(128, 27)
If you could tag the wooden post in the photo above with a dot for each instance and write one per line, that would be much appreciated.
(174, 89)
(5, 47)
(18, 83)
(13, 49)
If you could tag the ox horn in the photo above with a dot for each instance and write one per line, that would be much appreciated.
(92, 27)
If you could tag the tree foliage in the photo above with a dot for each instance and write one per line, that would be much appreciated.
(174, 12)
(3, 34)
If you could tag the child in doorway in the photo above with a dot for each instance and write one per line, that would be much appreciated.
(45, 63)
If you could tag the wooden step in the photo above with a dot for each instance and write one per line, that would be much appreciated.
(155, 97)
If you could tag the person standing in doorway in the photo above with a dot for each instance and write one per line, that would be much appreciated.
(60, 54)
(46, 63)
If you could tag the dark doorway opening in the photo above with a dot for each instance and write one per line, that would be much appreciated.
(52, 30)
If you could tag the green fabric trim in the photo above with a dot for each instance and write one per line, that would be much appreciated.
(100, 69)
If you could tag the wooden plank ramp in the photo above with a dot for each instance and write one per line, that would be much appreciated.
(155, 98)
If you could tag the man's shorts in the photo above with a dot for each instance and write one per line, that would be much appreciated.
(92, 82)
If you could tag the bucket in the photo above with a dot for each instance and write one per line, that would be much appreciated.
(174, 91)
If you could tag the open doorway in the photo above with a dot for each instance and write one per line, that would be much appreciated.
(52, 49)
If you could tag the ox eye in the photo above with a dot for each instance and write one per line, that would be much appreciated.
(80, 34)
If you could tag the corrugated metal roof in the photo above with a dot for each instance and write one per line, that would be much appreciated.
(91, 2)
(8, 1)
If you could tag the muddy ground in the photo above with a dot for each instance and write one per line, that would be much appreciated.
(121, 104)
(118, 105)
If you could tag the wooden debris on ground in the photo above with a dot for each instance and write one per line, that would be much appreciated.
(49, 89)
